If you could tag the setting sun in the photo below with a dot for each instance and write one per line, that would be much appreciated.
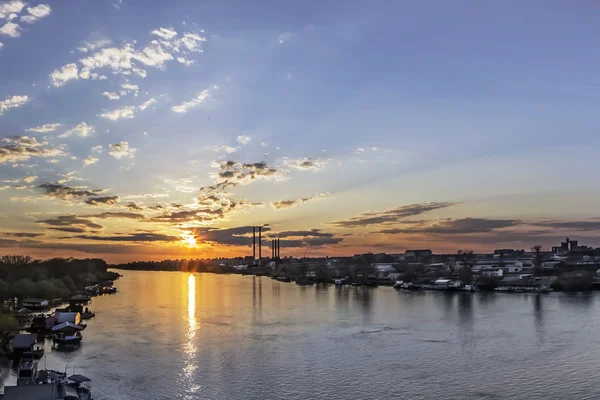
(190, 241)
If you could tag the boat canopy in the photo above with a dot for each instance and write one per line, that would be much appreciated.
(79, 378)
(24, 341)
(66, 325)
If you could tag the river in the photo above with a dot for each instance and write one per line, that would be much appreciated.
(173, 335)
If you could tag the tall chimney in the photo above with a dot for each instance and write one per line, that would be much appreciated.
(253, 243)
(272, 249)
(278, 248)
(259, 244)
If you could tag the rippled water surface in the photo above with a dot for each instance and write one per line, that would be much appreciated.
(172, 335)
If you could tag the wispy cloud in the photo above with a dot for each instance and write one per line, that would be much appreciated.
(125, 112)
(12, 102)
(147, 104)
(112, 95)
(391, 215)
(186, 105)
(306, 164)
(88, 46)
(286, 204)
(129, 59)
(44, 128)
(82, 129)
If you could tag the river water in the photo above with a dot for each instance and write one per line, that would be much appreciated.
(173, 335)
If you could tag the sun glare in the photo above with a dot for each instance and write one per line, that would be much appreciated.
(190, 241)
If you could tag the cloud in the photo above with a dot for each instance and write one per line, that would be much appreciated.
(11, 29)
(238, 236)
(112, 95)
(184, 61)
(30, 179)
(581, 226)
(88, 46)
(102, 201)
(231, 173)
(82, 130)
(308, 233)
(115, 215)
(64, 74)
(89, 161)
(165, 33)
(134, 207)
(21, 234)
(44, 128)
(226, 149)
(285, 204)
(284, 37)
(455, 226)
(11, 7)
(147, 104)
(146, 195)
(186, 105)
(71, 223)
(121, 149)
(22, 148)
(67, 193)
(131, 60)
(391, 215)
(12, 102)
(36, 13)
(244, 139)
(306, 164)
(134, 237)
(125, 112)
(96, 149)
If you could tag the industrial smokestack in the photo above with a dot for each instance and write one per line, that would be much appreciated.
(253, 243)
(259, 244)
(272, 249)
(278, 248)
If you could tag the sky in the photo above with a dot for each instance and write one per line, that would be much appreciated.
(148, 130)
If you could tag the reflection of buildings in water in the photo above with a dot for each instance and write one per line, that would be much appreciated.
(538, 315)
(363, 297)
(465, 307)
(486, 299)
(256, 299)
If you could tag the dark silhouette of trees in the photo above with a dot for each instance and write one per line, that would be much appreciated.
(537, 262)
(466, 273)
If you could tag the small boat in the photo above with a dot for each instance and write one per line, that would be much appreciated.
(61, 339)
(283, 279)
(302, 281)
(398, 284)
(87, 315)
(27, 371)
(82, 385)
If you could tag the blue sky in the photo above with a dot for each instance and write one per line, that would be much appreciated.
(457, 124)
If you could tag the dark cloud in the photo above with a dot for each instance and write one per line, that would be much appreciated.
(70, 230)
(231, 173)
(134, 237)
(455, 226)
(284, 204)
(134, 207)
(311, 242)
(392, 215)
(242, 236)
(308, 233)
(238, 236)
(72, 222)
(115, 215)
(21, 148)
(582, 226)
(67, 193)
(22, 234)
(102, 201)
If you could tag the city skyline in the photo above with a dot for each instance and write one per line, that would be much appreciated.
(169, 129)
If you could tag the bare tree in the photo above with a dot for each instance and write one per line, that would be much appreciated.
(466, 274)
